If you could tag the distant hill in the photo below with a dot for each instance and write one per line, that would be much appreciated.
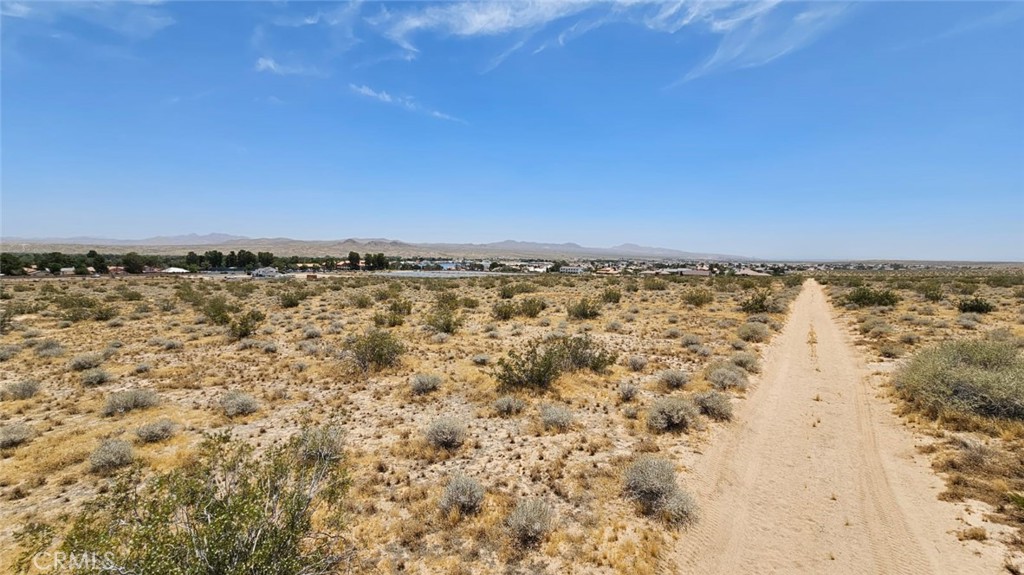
(171, 245)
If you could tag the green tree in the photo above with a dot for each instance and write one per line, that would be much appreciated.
(353, 260)
(133, 263)
(11, 265)
(214, 258)
(231, 260)
(265, 258)
(192, 259)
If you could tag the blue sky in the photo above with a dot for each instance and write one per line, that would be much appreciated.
(773, 129)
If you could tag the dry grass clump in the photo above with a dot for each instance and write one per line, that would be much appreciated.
(628, 391)
(727, 376)
(650, 482)
(14, 435)
(463, 494)
(49, 348)
(507, 405)
(975, 377)
(446, 433)
(672, 414)
(529, 522)
(745, 360)
(555, 417)
(86, 361)
(160, 430)
(423, 383)
(23, 389)
(674, 378)
(235, 403)
(715, 405)
(323, 444)
(637, 363)
(129, 400)
(110, 455)
(753, 332)
(94, 377)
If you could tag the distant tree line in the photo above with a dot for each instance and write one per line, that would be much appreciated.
(14, 264)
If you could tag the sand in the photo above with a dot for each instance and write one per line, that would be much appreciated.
(818, 475)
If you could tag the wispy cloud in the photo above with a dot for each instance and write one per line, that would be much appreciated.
(274, 67)
(131, 20)
(406, 102)
(764, 36)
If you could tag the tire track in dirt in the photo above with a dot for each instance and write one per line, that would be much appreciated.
(816, 474)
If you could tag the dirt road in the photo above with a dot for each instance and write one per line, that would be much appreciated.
(817, 475)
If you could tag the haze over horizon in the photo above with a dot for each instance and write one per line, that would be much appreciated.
(775, 130)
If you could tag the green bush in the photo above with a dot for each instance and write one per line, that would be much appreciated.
(866, 297)
(611, 295)
(752, 331)
(714, 405)
(504, 310)
(539, 366)
(759, 302)
(292, 298)
(698, 297)
(245, 324)
(975, 305)
(375, 349)
(583, 309)
(583, 352)
(978, 377)
(237, 512)
(531, 307)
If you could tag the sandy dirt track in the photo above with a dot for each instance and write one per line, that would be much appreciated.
(817, 475)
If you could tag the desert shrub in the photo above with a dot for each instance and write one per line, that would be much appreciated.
(738, 344)
(508, 291)
(714, 405)
(388, 319)
(727, 376)
(504, 310)
(86, 361)
(110, 455)
(238, 512)
(969, 320)
(745, 360)
(14, 435)
(975, 305)
(673, 378)
(292, 298)
(362, 301)
(129, 400)
(235, 403)
(8, 351)
(637, 363)
(555, 417)
(531, 307)
(481, 359)
(375, 349)
(425, 383)
(978, 377)
(400, 307)
(104, 313)
(760, 301)
(890, 350)
(23, 389)
(583, 309)
(508, 405)
(698, 297)
(444, 320)
(529, 522)
(931, 291)
(611, 295)
(94, 377)
(160, 430)
(463, 494)
(655, 284)
(651, 483)
(246, 324)
(690, 340)
(538, 366)
(49, 348)
(583, 352)
(446, 433)
(217, 310)
(672, 414)
(320, 445)
(867, 297)
(760, 318)
(628, 391)
(755, 332)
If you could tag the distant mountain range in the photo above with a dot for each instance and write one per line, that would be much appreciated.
(171, 245)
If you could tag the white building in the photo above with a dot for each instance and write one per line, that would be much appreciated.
(573, 270)
(265, 273)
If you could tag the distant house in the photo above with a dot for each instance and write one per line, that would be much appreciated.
(750, 272)
(173, 270)
(573, 270)
(67, 271)
(267, 272)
